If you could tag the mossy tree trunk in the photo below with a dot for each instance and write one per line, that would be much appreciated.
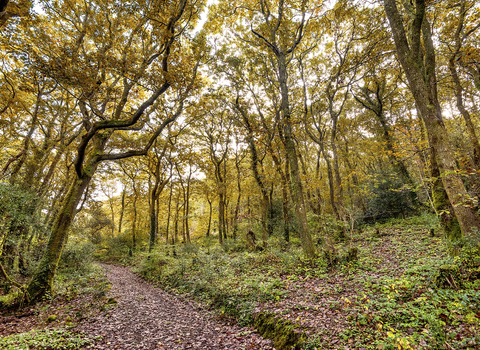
(255, 163)
(417, 57)
(441, 203)
(283, 46)
(291, 153)
(122, 210)
(159, 185)
(42, 280)
(460, 36)
(210, 210)
(239, 188)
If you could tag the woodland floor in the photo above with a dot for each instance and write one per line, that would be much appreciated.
(134, 315)
(148, 318)
(386, 300)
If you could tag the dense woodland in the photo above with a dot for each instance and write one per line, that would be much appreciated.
(137, 129)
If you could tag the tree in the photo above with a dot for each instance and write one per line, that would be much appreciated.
(215, 130)
(161, 179)
(107, 108)
(10, 9)
(416, 54)
(278, 28)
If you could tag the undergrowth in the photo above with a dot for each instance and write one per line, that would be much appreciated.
(78, 293)
(47, 339)
(392, 285)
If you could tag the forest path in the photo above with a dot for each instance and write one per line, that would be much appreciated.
(149, 318)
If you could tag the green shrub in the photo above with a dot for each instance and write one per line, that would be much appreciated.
(389, 199)
(77, 256)
(51, 338)
(234, 245)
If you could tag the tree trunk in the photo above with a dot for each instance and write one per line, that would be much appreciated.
(221, 216)
(331, 185)
(265, 207)
(43, 278)
(291, 152)
(122, 209)
(134, 225)
(465, 114)
(285, 208)
(420, 72)
(187, 207)
(169, 213)
(209, 217)
(440, 201)
(153, 224)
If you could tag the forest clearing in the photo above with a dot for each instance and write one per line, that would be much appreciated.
(248, 174)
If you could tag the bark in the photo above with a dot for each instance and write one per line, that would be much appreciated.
(305, 175)
(43, 278)
(187, 206)
(318, 178)
(168, 213)
(285, 207)
(134, 221)
(265, 203)
(221, 216)
(281, 53)
(10, 161)
(209, 217)
(291, 152)
(420, 72)
(156, 190)
(331, 184)
(217, 162)
(153, 225)
(177, 209)
(184, 238)
(458, 86)
(122, 210)
(440, 202)
(239, 197)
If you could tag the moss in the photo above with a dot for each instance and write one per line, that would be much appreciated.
(442, 205)
(284, 334)
(51, 318)
(11, 299)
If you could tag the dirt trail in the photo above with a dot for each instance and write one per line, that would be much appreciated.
(149, 318)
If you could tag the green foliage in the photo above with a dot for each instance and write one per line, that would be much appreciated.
(413, 306)
(229, 281)
(389, 199)
(50, 338)
(114, 249)
(285, 334)
(77, 256)
(237, 245)
(394, 300)
(69, 283)
(17, 209)
(19, 220)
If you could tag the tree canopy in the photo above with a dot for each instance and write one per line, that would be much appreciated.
(143, 123)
